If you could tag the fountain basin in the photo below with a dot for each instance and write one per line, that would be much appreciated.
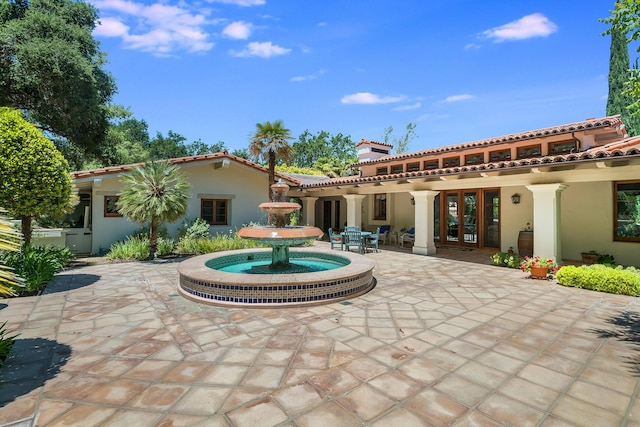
(206, 285)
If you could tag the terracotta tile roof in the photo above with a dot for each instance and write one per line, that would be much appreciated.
(366, 141)
(109, 170)
(626, 148)
(611, 121)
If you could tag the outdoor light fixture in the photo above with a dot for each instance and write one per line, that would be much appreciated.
(515, 199)
(413, 201)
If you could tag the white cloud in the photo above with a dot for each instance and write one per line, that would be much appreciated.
(370, 98)
(263, 50)
(238, 30)
(158, 28)
(472, 46)
(111, 27)
(534, 25)
(245, 3)
(457, 98)
(433, 117)
(308, 77)
(408, 107)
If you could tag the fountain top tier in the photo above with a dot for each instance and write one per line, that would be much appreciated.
(280, 237)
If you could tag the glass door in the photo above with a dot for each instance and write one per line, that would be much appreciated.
(461, 211)
(469, 218)
(452, 214)
(492, 218)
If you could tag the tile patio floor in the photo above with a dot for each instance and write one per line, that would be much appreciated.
(438, 342)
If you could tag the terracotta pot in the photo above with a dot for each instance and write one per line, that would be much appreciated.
(539, 272)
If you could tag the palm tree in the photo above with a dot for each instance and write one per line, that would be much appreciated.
(156, 192)
(270, 142)
(9, 241)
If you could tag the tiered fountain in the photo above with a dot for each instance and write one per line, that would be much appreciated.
(259, 278)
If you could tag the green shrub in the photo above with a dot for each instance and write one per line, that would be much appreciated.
(6, 343)
(504, 259)
(597, 277)
(137, 248)
(36, 265)
(134, 248)
(220, 242)
(165, 246)
(197, 229)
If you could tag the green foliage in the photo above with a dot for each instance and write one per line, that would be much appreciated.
(625, 20)
(34, 177)
(504, 259)
(311, 149)
(134, 248)
(401, 144)
(334, 167)
(297, 169)
(156, 192)
(6, 342)
(51, 67)
(10, 240)
(220, 242)
(36, 265)
(619, 73)
(196, 229)
(602, 278)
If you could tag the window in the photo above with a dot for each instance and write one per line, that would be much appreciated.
(380, 207)
(530, 151)
(379, 150)
(627, 211)
(214, 211)
(431, 164)
(397, 168)
(498, 156)
(474, 159)
(413, 167)
(562, 147)
(111, 206)
(451, 162)
(381, 171)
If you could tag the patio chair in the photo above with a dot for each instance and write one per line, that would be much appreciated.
(351, 228)
(409, 236)
(371, 241)
(353, 238)
(335, 239)
(384, 233)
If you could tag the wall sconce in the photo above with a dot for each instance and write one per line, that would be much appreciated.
(413, 201)
(515, 199)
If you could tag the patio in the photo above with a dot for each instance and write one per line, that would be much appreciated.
(439, 341)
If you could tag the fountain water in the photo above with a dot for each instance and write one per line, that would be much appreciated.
(246, 278)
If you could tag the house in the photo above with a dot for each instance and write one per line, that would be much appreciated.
(555, 192)
(225, 190)
(564, 190)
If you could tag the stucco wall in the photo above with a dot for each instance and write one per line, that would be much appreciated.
(587, 224)
(514, 217)
(245, 187)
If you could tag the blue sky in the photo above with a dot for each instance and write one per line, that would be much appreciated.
(460, 70)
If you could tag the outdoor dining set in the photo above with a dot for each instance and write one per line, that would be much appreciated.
(353, 236)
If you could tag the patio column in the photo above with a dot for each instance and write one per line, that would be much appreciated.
(547, 228)
(424, 217)
(308, 210)
(354, 208)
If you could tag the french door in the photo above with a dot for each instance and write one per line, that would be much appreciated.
(468, 218)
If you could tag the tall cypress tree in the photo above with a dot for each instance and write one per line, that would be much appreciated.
(617, 101)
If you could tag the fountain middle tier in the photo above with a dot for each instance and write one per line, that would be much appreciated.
(280, 239)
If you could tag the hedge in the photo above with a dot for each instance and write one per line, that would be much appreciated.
(602, 278)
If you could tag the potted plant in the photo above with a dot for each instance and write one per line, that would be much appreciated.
(590, 257)
(539, 267)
